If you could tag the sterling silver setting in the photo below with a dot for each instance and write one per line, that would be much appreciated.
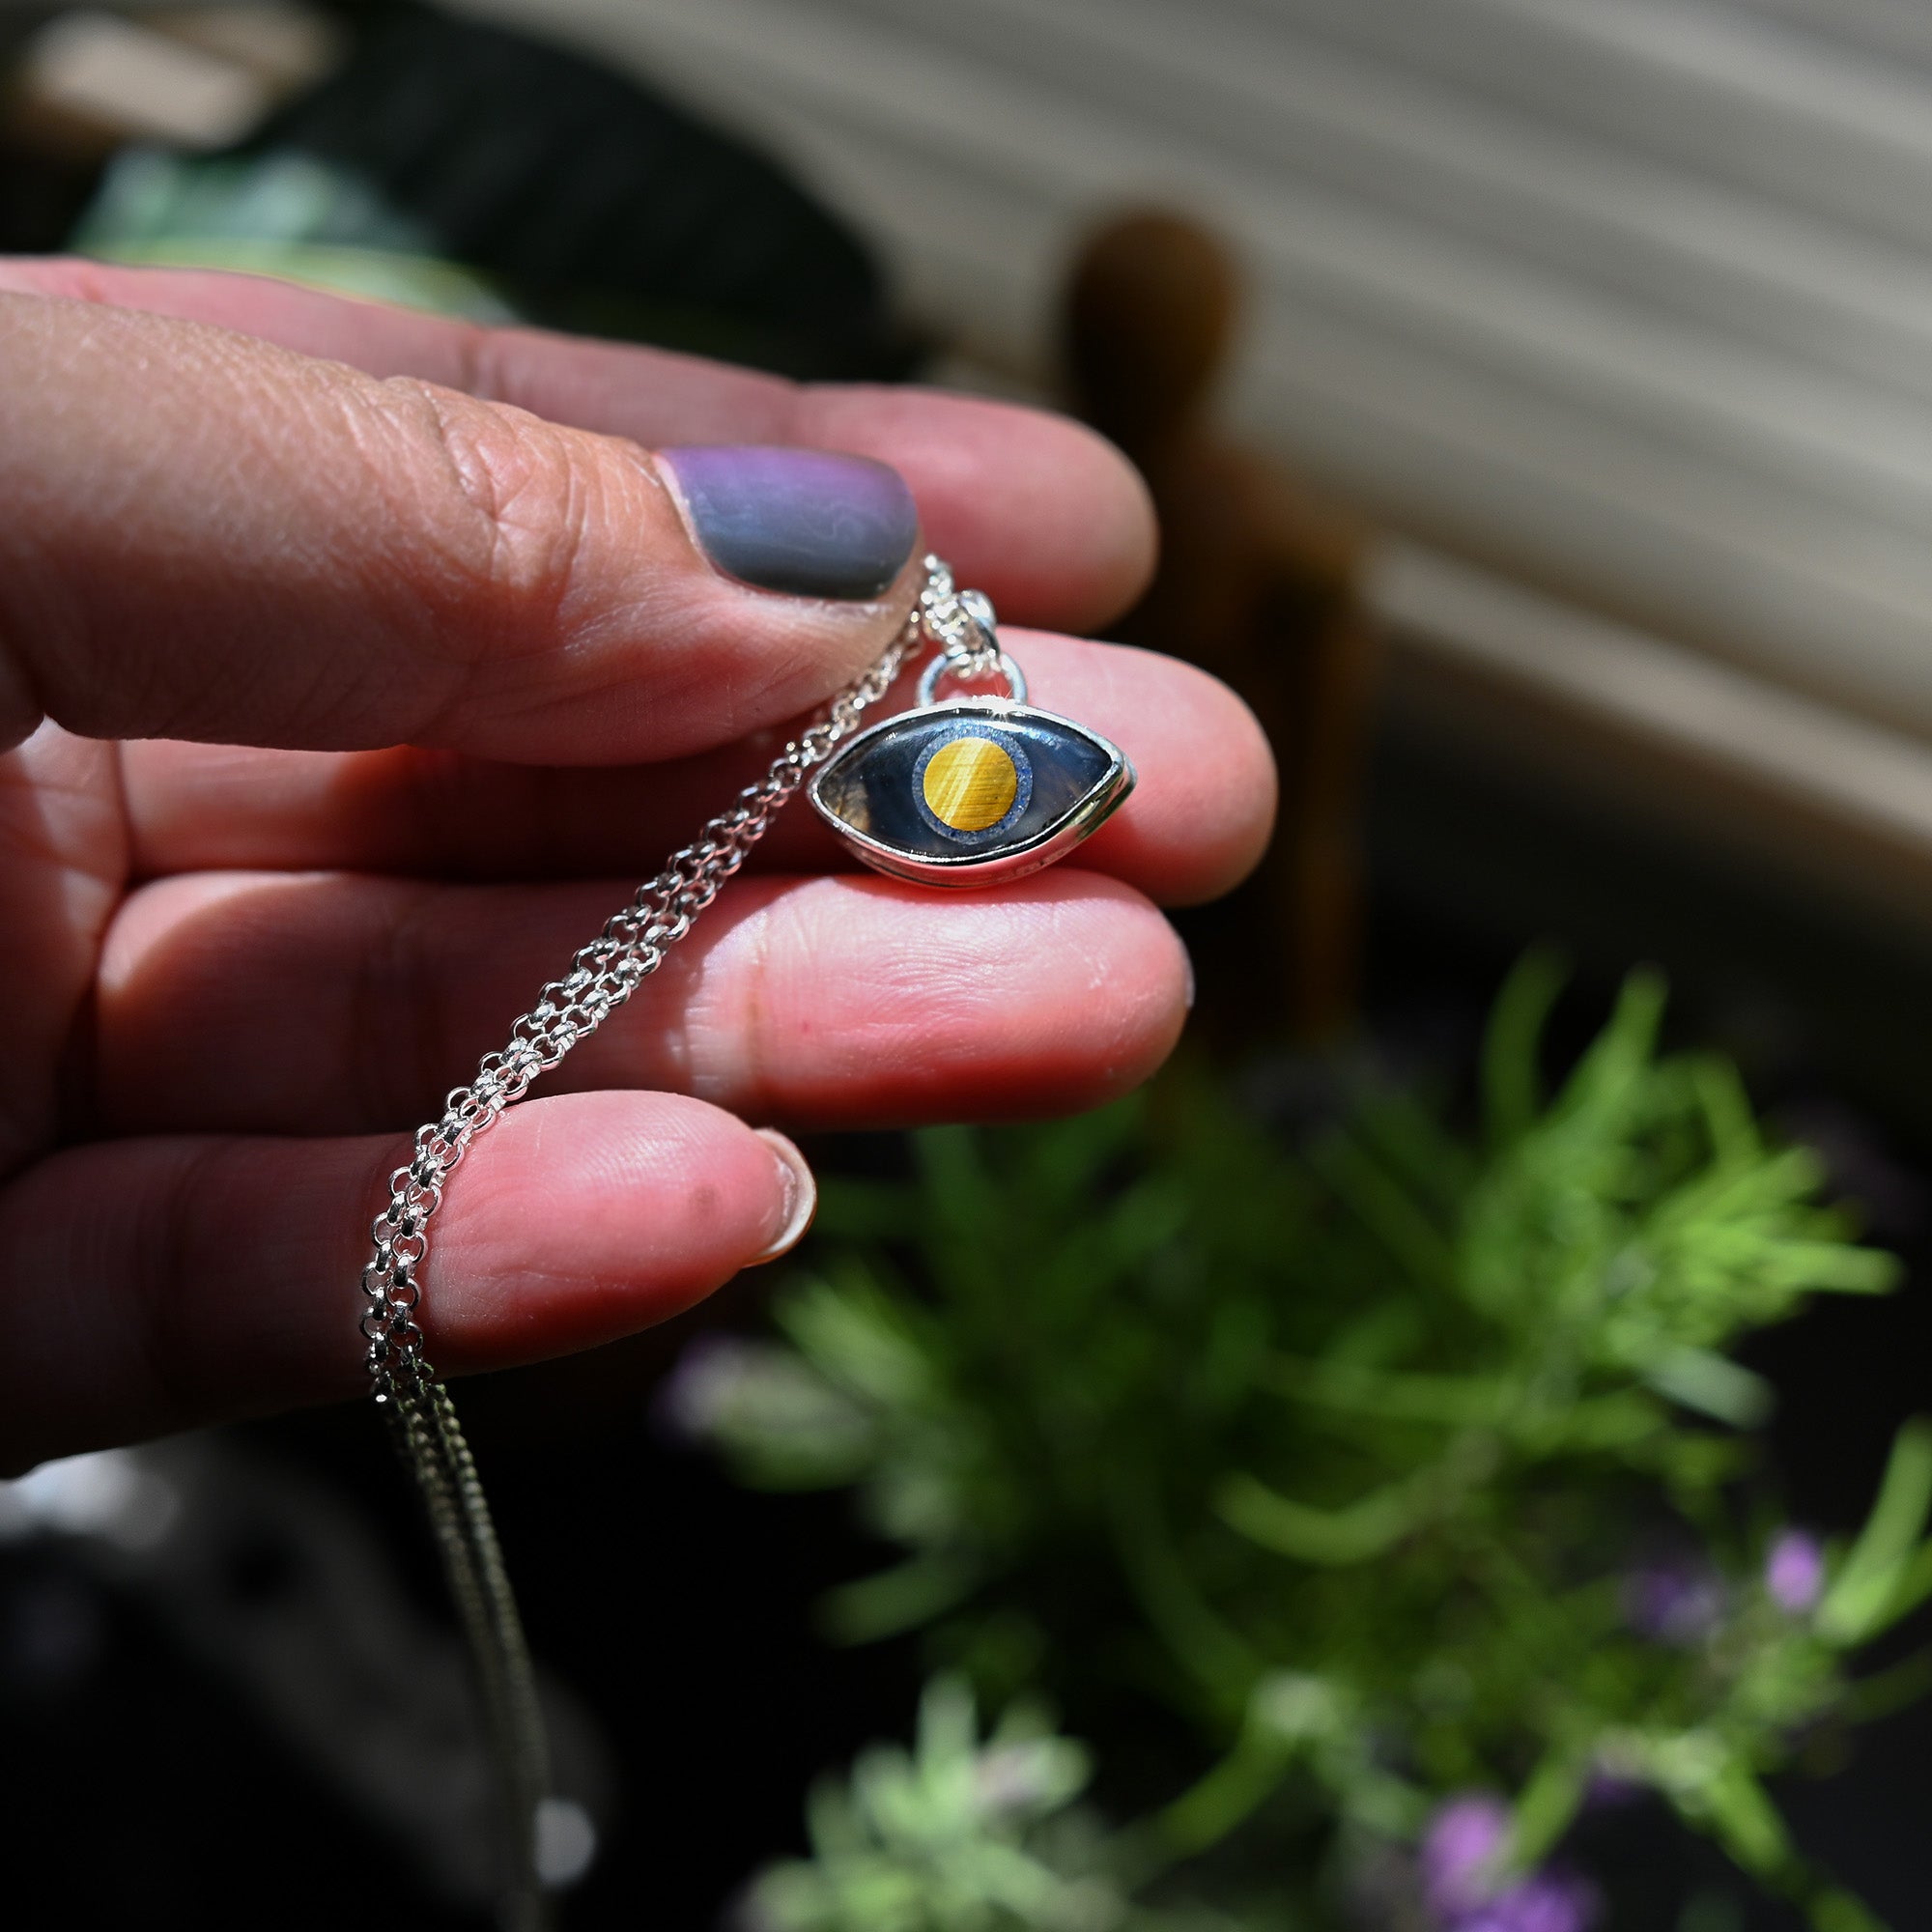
(980, 860)
(1051, 781)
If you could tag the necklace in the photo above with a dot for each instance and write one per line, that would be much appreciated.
(967, 791)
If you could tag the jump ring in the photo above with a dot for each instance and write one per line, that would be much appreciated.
(943, 666)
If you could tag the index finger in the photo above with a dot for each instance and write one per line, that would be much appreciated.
(1050, 519)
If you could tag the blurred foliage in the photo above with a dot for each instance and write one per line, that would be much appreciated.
(957, 1832)
(1322, 1484)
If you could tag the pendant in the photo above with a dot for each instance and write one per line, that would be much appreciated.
(969, 791)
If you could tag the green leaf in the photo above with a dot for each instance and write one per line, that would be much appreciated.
(1352, 1534)
(860, 1339)
(901, 1598)
(1452, 1401)
(1600, 1093)
(1203, 1814)
(1714, 1385)
(1738, 1811)
(1869, 1699)
(1726, 1110)
(1910, 1589)
(1289, 1714)
(1512, 1086)
(1387, 1209)
(1874, 1569)
(1835, 1911)
(1546, 1804)
(1171, 1598)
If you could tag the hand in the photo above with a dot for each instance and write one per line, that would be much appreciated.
(358, 664)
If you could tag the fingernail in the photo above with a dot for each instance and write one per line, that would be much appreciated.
(809, 522)
(1188, 961)
(800, 1197)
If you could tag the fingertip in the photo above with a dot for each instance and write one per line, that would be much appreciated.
(1128, 534)
(1038, 510)
(1088, 534)
(1225, 802)
(1202, 807)
(1138, 993)
(1169, 999)
(594, 1215)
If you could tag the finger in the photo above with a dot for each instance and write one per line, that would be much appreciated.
(157, 1283)
(208, 538)
(1049, 518)
(1195, 825)
(336, 1004)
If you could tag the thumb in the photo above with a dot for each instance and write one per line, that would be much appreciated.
(203, 536)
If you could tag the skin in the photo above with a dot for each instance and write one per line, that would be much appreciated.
(356, 664)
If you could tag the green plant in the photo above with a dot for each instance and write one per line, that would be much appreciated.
(957, 1833)
(1328, 1487)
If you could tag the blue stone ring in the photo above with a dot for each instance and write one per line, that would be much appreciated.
(969, 791)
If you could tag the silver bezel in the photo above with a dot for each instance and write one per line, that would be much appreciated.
(977, 869)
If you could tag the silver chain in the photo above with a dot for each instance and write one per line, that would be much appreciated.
(960, 622)
(607, 972)
(600, 977)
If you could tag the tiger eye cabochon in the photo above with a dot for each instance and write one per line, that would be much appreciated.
(963, 785)
(969, 784)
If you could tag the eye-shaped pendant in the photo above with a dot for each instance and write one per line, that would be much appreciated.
(971, 791)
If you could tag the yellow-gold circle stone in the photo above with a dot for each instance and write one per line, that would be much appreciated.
(970, 785)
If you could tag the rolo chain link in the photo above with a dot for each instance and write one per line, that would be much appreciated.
(960, 622)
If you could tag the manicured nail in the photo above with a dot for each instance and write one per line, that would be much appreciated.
(801, 1196)
(808, 522)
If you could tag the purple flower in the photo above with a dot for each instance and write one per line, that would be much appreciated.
(1545, 1901)
(1677, 1603)
(1794, 1570)
(1460, 1852)
(1464, 1890)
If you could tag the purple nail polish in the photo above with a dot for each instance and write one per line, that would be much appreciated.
(809, 522)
